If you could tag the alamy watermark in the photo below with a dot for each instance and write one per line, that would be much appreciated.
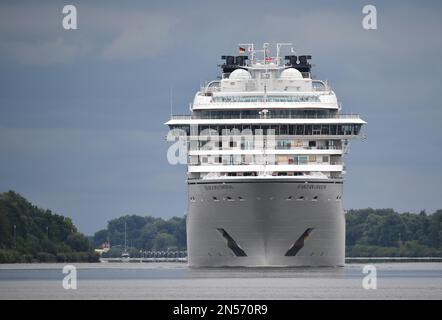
(69, 21)
(229, 139)
(370, 281)
(70, 280)
(370, 19)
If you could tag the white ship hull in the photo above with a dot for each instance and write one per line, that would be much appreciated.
(265, 222)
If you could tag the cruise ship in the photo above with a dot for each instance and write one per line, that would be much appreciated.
(264, 147)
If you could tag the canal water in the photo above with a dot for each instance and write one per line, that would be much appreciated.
(177, 281)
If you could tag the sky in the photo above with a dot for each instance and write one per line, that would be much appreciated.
(82, 112)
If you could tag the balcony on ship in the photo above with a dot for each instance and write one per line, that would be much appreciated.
(255, 114)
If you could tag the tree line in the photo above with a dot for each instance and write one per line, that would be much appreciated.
(369, 233)
(142, 233)
(386, 233)
(32, 234)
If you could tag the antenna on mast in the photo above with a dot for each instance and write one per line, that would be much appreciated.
(265, 46)
(251, 49)
(278, 50)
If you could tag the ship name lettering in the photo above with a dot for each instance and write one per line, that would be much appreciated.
(222, 187)
(313, 186)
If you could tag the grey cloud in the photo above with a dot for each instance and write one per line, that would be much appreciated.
(145, 37)
(114, 32)
(52, 52)
(111, 34)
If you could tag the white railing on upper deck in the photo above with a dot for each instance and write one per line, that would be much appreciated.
(268, 116)
(321, 86)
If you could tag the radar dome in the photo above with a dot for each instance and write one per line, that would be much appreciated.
(240, 74)
(291, 74)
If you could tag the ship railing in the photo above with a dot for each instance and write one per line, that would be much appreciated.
(204, 137)
(290, 147)
(210, 89)
(268, 116)
(319, 85)
(215, 149)
(242, 163)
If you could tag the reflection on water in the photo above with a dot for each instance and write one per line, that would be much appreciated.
(177, 281)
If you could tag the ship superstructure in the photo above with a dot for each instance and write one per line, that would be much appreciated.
(265, 171)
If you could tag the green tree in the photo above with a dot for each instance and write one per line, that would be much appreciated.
(40, 235)
(164, 241)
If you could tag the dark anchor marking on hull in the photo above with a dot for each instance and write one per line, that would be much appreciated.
(299, 244)
(231, 243)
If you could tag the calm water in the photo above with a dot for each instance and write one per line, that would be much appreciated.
(176, 281)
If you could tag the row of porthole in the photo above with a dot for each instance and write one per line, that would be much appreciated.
(228, 198)
(231, 254)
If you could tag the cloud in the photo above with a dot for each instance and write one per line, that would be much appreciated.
(50, 52)
(112, 34)
(147, 36)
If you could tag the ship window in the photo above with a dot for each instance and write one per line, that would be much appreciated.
(229, 199)
(324, 158)
(315, 198)
(301, 198)
(289, 198)
(240, 198)
(340, 131)
(302, 159)
(348, 129)
(312, 158)
(325, 129)
(312, 144)
(215, 199)
(316, 129)
(292, 129)
(300, 130)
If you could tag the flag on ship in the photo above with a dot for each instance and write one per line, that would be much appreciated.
(242, 50)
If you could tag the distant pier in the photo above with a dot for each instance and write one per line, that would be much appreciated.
(391, 259)
(140, 260)
(347, 260)
(152, 256)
